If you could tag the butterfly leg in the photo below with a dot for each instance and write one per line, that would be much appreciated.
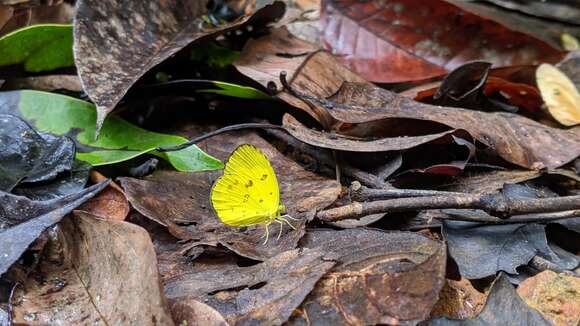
(281, 226)
(290, 217)
(267, 234)
(282, 219)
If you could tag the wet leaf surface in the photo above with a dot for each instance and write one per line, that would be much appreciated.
(503, 306)
(104, 272)
(23, 220)
(181, 201)
(119, 141)
(134, 38)
(555, 296)
(380, 278)
(29, 157)
(265, 293)
(482, 250)
(421, 40)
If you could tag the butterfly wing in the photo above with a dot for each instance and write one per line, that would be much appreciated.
(247, 193)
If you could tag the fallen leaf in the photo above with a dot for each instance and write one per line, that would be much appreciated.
(380, 278)
(194, 313)
(119, 141)
(265, 293)
(503, 307)
(134, 37)
(107, 274)
(29, 157)
(110, 203)
(482, 250)
(181, 201)
(487, 182)
(23, 220)
(555, 296)
(38, 48)
(563, 11)
(560, 94)
(352, 144)
(459, 300)
(45, 83)
(421, 39)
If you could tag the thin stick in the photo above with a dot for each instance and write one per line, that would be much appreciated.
(495, 204)
(217, 132)
(527, 218)
(360, 193)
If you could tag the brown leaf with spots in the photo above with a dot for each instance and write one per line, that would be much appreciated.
(261, 294)
(380, 278)
(181, 200)
(97, 272)
(402, 40)
(555, 296)
(132, 37)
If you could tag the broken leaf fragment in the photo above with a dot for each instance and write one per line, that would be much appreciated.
(560, 94)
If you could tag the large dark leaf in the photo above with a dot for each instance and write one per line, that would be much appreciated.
(262, 294)
(181, 202)
(27, 156)
(401, 40)
(22, 220)
(503, 307)
(380, 278)
(135, 36)
(106, 274)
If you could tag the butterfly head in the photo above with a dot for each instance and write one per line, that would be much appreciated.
(281, 210)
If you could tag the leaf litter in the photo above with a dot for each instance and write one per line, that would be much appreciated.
(460, 145)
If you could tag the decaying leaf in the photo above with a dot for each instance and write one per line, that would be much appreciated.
(194, 313)
(503, 307)
(264, 294)
(380, 278)
(134, 37)
(181, 201)
(29, 157)
(555, 296)
(482, 250)
(23, 220)
(111, 203)
(560, 95)
(403, 40)
(459, 300)
(106, 274)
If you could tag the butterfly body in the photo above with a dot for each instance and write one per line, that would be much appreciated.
(247, 193)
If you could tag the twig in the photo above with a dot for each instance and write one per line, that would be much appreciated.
(495, 204)
(360, 193)
(526, 218)
(217, 132)
(543, 264)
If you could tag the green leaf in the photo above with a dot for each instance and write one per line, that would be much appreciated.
(233, 90)
(38, 47)
(213, 55)
(118, 141)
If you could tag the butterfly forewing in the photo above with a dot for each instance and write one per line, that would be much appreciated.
(247, 193)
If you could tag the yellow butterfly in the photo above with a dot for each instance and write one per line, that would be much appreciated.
(248, 193)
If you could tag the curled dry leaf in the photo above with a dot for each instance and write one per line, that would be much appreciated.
(380, 278)
(107, 274)
(181, 201)
(404, 40)
(555, 296)
(560, 95)
(503, 307)
(262, 294)
(135, 36)
(23, 220)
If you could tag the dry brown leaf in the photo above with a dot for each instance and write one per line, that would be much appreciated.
(560, 94)
(102, 272)
(459, 300)
(555, 296)
(181, 200)
(380, 278)
(194, 313)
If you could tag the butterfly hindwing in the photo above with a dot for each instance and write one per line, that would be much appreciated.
(247, 193)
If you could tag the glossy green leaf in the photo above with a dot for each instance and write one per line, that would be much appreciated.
(38, 47)
(118, 141)
(233, 90)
